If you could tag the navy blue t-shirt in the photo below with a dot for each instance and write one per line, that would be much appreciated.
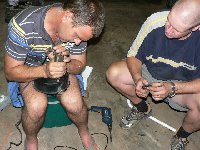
(170, 59)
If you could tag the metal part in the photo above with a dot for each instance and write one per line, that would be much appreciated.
(53, 86)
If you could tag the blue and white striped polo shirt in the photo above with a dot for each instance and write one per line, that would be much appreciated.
(26, 33)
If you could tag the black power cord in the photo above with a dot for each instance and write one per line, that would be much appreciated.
(64, 147)
(20, 142)
(91, 134)
(18, 123)
(106, 138)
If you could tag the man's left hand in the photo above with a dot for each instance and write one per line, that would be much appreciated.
(60, 50)
(160, 90)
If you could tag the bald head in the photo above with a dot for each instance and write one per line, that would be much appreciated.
(188, 11)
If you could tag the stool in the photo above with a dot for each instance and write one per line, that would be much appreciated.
(56, 116)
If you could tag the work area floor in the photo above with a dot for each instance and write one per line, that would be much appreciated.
(123, 21)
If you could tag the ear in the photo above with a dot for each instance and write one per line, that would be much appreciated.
(196, 28)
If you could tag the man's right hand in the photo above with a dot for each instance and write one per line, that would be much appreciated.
(140, 90)
(55, 69)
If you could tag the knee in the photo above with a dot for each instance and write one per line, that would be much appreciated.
(74, 105)
(36, 109)
(112, 73)
(194, 103)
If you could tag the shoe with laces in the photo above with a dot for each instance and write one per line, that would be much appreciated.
(134, 117)
(178, 143)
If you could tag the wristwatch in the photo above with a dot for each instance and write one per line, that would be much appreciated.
(173, 91)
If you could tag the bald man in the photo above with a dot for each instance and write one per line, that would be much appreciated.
(163, 62)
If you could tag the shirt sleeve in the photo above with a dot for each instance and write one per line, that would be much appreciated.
(154, 21)
(16, 45)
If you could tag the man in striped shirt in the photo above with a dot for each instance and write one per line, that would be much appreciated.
(164, 63)
(65, 28)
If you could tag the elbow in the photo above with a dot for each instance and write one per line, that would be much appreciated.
(7, 76)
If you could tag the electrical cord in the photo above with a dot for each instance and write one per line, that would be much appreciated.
(17, 126)
(91, 134)
(64, 147)
(106, 139)
(16, 144)
(18, 123)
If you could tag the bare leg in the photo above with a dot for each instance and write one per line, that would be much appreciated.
(191, 122)
(77, 110)
(33, 114)
(120, 78)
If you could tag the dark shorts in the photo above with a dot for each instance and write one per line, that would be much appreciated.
(169, 101)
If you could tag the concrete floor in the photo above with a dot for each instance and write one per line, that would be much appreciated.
(123, 20)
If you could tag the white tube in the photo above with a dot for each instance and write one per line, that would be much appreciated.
(162, 123)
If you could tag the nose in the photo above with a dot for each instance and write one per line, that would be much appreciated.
(77, 41)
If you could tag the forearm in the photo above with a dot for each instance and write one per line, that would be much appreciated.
(134, 66)
(192, 87)
(75, 66)
(25, 73)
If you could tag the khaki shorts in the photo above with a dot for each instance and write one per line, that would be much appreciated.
(169, 101)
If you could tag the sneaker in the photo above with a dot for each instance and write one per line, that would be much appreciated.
(178, 143)
(134, 117)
